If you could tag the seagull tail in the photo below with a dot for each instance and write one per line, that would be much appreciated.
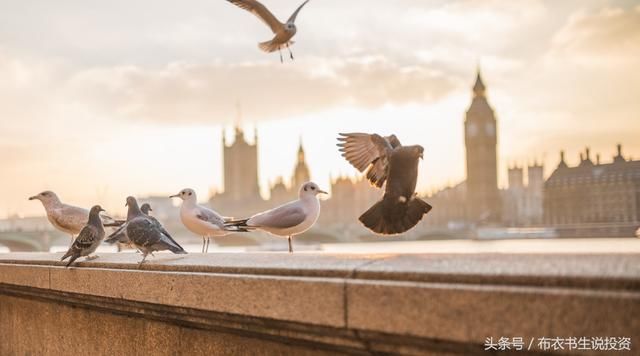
(391, 216)
(272, 46)
(239, 225)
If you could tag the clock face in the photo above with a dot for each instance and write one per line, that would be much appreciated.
(490, 129)
(472, 129)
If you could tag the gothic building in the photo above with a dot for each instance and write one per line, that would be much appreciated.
(241, 192)
(522, 204)
(594, 193)
(280, 193)
(483, 199)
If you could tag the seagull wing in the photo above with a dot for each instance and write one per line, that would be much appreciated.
(282, 217)
(71, 218)
(211, 217)
(292, 19)
(261, 12)
(370, 153)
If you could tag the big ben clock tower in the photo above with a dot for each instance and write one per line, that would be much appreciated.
(480, 133)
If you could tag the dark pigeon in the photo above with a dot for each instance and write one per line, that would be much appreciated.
(89, 238)
(385, 160)
(147, 234)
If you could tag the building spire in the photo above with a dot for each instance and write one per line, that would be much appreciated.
(478, 87)
(300, 152)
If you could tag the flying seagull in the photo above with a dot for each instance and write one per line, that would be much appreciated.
(89, 239)
(67, 218)
(199, 219)
(120, 235)
(146, 234)
(385, 160)
(283, 31)
(289, 219)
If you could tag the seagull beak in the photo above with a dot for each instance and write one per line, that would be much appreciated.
(322, 192)
(174, 196)
(126, 204)
(421, 155)
(33, 198)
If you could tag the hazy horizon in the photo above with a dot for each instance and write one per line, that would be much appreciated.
(104, 100)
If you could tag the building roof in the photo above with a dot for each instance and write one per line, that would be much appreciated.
(587, 171)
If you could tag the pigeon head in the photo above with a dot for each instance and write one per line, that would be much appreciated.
(186, 194)
(146, 208)
(46, 197)
(418, 151)
(95, 210)
(310, 189)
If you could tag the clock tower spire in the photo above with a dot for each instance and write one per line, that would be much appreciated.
(483, 200)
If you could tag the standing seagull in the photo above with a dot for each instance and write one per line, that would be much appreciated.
(287, 220)
(199, 219)
(89, 239)
(385, 160)
(67, 218)
(146, 234)
(283, 31)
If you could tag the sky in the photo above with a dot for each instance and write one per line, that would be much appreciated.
(104, 99)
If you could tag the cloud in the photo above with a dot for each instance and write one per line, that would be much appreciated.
(188, 92)
(608, 36)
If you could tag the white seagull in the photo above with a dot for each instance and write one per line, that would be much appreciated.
(283, 31)
(67, 218)
(199, 219)
(289, 219)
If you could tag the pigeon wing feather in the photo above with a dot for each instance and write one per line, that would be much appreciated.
(370, 153)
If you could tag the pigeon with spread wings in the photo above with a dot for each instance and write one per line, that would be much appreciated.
(385, 160)
(283, 31)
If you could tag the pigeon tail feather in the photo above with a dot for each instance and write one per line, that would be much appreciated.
(390, 216)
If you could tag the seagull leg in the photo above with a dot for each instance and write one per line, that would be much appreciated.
(290, 53)
(280, 50)
(207, 250)
(290, 247)
(203, 242)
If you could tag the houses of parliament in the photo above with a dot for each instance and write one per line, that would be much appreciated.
(591, 193)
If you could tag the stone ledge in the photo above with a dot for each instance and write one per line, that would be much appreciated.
(445, 303)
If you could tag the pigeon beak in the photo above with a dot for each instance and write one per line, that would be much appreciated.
(150, 209)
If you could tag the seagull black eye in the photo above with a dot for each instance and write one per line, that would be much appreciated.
(305, 189)
(189, 193)
(313, 188)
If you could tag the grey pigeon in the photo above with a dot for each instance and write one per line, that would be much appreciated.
(67, 218)
(120, 235)
(146, 234)
(385, 160)
(89, 239)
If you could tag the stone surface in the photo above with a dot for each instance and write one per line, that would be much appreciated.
(315, 302)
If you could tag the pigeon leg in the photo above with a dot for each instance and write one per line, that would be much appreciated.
(290, 53)
(290, 247)
(144, 257)
(280, 50)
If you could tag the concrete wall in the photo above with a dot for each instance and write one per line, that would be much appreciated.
(275, 303)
